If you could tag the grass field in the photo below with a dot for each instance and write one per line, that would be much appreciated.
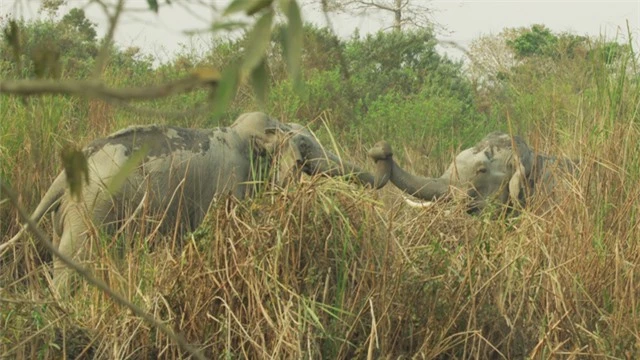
(326, 269)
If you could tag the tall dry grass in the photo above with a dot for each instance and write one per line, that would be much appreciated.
(324, 269)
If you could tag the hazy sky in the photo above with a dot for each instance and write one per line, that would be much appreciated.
(162, 34)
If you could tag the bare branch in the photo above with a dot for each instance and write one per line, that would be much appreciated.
(374, 5)
(417, 13)
(40, 236)
(101, 60)
(97, 89)
(344, 68)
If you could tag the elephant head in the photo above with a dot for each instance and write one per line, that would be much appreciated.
(298, 150)
(498, 167)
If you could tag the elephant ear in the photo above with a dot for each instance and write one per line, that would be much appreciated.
(270, 141)
(282, 147)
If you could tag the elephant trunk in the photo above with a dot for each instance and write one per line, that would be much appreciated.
(330, 164)
(418, 186)
(316, 160)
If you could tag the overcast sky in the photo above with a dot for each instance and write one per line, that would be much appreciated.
(162, 34)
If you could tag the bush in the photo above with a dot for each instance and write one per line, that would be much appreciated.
(49, 48)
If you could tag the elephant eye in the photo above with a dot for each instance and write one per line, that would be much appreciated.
(481, 170)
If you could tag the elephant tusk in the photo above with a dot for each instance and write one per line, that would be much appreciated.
(133, 215)
(418, 204)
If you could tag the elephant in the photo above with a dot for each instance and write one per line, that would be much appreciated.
(500, 169)
(182, 173)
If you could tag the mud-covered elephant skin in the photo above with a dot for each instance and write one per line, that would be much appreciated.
(183, 172)
(500, 168)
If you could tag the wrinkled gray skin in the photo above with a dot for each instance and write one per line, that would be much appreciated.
(184, 171)
(499, 168)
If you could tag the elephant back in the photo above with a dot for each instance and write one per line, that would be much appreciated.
(159, 140)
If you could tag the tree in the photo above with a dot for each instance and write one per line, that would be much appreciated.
(412, 13)
(405, 62)
(77, 20)
(49, 47)
(51, 7)
(537, 41)
(491, 57)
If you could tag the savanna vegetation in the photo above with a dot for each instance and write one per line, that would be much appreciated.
(324, 268)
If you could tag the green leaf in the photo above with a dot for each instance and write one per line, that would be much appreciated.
(250, 7)
(228, 25)
(259, 5)
(153, 5)
(76, 169)
(260, 82)
(127, 169)
(238, 6)
(257, 43)
(225, 91)
(293, 38)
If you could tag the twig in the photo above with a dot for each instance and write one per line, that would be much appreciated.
(97, 89)
(178, 338)
(101, 60)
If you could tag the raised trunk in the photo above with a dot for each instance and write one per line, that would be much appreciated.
(418, 186)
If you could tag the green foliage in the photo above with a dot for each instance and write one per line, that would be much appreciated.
(428, 123)
(609, 52)
(345, 78)
(326, 91)
(131, 66)
(538, 41)
(403, 62)
(349, 78)
(12, 41)
(404, 90)
(322, 49)
(52, 48)
(553, 76)
(51, 7)
(75, 20)
(153, 5)
(255, 43)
